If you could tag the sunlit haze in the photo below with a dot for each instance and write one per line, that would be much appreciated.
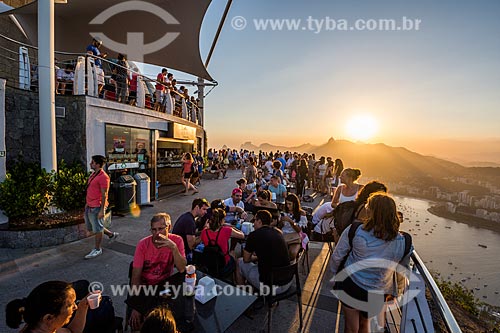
(295, 86)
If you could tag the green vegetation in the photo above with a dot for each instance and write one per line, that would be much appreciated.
(460, 295)
(471, 314)
(29, 190)
(70, 183)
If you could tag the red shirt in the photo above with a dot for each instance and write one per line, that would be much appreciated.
(187, 166)
(157, 264)
(96, 182)
(160, 78)
(133, 82)
(222, 241)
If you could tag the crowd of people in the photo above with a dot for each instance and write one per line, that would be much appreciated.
(118, 81)
(280, 230)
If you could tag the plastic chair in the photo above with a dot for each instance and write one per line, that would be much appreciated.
(284, 273)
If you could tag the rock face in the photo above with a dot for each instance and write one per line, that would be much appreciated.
(22, 137)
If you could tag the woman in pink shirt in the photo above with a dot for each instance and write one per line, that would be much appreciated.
(187, 172)
(222, 233)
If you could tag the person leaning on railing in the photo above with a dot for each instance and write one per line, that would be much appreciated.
(65, 78)
(93, 49)
(370, 263)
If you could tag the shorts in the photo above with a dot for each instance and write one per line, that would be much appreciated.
(158, 96)
(92, 222)
(361, 295)
(250, 272)
(187, 175)
(100, 76)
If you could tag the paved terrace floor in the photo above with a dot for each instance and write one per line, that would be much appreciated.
(22, 269)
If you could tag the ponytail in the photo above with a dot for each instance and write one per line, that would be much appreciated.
(14, 312)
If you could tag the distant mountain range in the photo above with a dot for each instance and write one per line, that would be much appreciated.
(379, 161)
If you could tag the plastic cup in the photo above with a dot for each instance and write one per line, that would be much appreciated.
(94, 300)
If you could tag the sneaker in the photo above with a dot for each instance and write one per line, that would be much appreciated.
(94, 253)
(114, 236)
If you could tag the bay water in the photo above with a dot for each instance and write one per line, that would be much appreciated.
(457, 251)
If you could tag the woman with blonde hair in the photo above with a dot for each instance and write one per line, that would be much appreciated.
(377, 248)
(159, 320)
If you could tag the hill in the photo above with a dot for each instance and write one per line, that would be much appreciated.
(393, 163)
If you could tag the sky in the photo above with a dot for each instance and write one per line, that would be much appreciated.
(403, 88)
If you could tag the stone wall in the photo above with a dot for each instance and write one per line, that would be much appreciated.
(22, 137)
(42, 238)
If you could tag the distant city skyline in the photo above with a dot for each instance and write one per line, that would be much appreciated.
(302, 86)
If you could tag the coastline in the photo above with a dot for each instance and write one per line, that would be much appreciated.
(472, 221)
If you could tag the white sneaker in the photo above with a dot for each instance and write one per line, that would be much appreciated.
(114, 236)
(94, 253)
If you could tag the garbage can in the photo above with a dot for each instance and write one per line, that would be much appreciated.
(124, 193)
(143, 188)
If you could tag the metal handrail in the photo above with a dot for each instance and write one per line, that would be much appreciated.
(441, 304)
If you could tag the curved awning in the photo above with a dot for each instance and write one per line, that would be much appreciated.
(159, 32)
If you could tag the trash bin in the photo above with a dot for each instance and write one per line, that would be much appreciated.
(124, 193)
(143, 188)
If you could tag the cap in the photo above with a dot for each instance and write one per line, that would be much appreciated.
(237, 190)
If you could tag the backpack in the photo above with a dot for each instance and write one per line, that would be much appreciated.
(214, 259)
(344, 214)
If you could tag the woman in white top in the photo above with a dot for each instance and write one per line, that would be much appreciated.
(293, 220)
(348, 190)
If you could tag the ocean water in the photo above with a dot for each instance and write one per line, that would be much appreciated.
(451, 249)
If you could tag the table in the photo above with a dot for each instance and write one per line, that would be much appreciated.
(214, 316)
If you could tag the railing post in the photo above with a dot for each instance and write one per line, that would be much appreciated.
(79, 83)
(169, 103)
(184, 108)
(141, 93)
(24, 69)
(193, 113)
(92, 84)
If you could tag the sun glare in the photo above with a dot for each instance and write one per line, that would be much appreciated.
(361, 127)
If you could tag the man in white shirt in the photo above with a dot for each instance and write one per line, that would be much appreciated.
(323, 219)
(235, 201)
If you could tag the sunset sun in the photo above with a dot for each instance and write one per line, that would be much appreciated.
(361, 127)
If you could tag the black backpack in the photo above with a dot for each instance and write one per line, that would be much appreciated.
(214, 258)
(344, 214)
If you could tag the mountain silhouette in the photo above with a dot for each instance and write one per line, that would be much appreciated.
(380, 161)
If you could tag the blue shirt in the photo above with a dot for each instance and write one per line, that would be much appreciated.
(377, 257)
(280, 192)
(95, 51)
(283, 163)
